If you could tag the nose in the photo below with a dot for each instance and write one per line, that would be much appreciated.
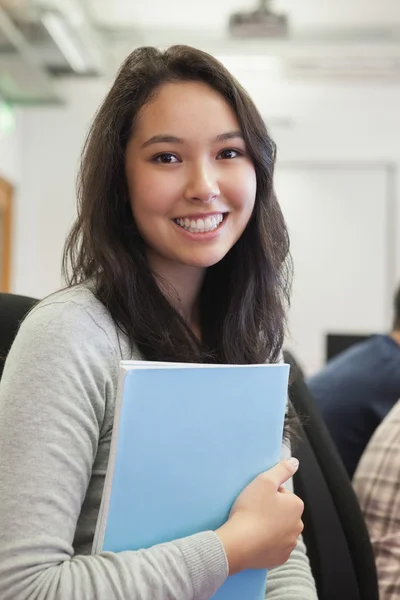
(202, 185)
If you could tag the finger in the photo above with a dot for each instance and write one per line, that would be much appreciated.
(283, 471)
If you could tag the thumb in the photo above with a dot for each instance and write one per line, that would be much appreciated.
(283, 471)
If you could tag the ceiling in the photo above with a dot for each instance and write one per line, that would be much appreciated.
(330, 38)
(213, 15)
(334, 38)
(43, 39)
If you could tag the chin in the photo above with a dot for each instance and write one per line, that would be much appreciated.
(205, 261)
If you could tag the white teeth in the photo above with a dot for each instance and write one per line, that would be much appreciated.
(201, 225)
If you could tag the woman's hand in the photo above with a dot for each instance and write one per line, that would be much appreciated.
(264, 523)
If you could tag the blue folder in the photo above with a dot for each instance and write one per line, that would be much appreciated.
(186, 441)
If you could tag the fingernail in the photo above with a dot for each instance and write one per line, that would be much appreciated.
(293, 462)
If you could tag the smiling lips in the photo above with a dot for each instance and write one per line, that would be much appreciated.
(209, 223)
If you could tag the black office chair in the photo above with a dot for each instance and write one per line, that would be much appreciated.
(13, 309)
(335, 533)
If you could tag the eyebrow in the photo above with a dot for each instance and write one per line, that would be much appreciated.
(172, 139)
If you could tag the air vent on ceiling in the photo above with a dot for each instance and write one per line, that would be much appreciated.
(40, 39)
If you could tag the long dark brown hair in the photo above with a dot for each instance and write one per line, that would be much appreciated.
(244, 297)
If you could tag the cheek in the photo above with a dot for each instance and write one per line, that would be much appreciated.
(149, 196)
(242, 190)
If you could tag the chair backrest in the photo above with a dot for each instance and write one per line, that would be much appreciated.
(335, 533)
(13, 309)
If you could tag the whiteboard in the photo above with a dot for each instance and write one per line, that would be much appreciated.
(337, 218)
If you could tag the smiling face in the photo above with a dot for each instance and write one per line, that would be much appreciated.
(191, 182)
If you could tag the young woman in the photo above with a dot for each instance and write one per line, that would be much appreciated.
(179, 253)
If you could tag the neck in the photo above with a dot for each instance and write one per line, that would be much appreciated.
(181, 285)
(396, 335)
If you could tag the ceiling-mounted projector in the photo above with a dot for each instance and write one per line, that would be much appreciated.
(260, 23)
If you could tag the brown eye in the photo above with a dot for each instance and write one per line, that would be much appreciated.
(165, 158)
(228, 154)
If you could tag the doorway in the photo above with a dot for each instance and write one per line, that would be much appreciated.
(6, 198)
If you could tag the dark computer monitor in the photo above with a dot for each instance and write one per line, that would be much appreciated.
(338, 342)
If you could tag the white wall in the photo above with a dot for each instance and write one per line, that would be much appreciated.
(330, 123)
(353, 124)
(337, 215)
(52, 138)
